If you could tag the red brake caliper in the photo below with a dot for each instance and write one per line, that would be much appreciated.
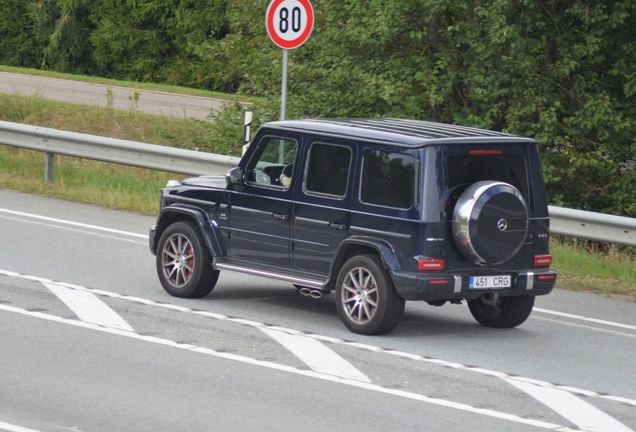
(191, 260)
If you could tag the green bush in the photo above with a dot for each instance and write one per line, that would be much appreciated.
(561, 71)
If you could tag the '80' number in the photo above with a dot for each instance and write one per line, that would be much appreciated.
(284, 19)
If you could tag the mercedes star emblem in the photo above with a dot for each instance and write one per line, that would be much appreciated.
(502, 224)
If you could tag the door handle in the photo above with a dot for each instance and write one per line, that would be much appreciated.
(280, 217)
(336, 226)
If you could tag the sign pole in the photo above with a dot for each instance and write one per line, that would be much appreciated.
(289, 24)
(283, 93)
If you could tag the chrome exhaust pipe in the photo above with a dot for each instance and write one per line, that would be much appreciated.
(311, 292)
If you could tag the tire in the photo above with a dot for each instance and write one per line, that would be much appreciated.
(490, 222)
(184, 262)
(490, 310)
(366, 300)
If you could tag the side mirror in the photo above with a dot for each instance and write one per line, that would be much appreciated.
(234, 177)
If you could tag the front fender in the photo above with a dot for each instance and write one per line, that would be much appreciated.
(180, 212)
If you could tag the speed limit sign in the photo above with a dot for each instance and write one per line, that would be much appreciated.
(289, 22)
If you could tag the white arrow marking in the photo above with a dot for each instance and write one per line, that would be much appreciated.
(317, 356)
(582, 414)
(88, 307)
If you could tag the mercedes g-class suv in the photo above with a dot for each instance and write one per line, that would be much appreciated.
(378, 210)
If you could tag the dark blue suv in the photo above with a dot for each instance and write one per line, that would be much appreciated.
(378, 210)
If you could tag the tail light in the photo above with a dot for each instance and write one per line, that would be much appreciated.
(542, 260)
(430, 264)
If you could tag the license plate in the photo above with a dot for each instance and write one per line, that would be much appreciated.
(490, 282)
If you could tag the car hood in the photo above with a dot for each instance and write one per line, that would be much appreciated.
(206, 181)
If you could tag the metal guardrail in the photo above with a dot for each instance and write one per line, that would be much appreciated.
(563, 221)
(597, 227)
(132, 153)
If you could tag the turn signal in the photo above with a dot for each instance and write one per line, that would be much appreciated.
(542, 260)
(430, 264)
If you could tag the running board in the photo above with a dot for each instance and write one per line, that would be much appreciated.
(292, 279)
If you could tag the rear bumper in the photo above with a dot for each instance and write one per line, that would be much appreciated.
(449, 286)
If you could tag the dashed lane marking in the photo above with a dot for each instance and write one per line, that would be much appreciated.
(290, 369)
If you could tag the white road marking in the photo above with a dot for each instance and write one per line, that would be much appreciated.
(582, 414)
(316, 355)
(14, 428)
(582, 318)
(78, 224)
(596, 329)
(88, 307)
(289, 369)
(416, 357)
(75, 230)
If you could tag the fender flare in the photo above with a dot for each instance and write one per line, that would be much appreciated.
(384, 249)
(179, 212)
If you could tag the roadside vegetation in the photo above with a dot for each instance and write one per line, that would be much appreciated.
(558, 71)
(597, 268)
(583, 266)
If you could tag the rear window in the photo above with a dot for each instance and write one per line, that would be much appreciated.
(388, 179)
(466, 169)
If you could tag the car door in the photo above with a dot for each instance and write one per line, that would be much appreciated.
(321, 214)
(260, 214)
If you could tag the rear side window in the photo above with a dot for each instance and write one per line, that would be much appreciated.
(328, 170)
(388, 179)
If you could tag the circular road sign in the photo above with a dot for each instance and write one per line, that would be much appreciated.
(289, 22)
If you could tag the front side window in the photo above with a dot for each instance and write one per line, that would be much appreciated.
(273, 163)
(388, 179)
(328, 170)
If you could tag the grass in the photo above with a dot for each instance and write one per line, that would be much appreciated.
(592, 267)
(602, 269)
(90, 182)
(109, 185)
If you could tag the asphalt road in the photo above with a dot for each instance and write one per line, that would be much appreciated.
(150, 101)
(91, 342)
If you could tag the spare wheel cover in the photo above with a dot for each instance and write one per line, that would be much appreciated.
(490, 222)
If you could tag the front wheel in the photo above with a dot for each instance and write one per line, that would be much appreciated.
(491, 310)
(184, 262)
(366, 300)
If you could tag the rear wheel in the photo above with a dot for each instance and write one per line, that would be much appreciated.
(491, 310)
(184, 262)
(366, 300)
